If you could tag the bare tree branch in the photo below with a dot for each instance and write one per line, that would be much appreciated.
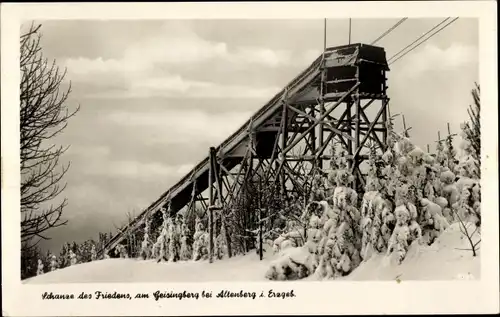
(44, 114)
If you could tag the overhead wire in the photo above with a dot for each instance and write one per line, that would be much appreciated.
(398, 55)
(392, 28)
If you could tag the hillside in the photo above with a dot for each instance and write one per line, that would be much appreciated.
(440, 261)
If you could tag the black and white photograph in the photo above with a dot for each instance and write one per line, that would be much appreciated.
(270, 150)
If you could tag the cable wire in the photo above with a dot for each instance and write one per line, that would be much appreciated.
(392, 60)
(389, 30)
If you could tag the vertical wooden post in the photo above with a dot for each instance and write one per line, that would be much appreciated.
(228, 238)
(321, 101)
(428, 149)
(284, 138)
(349, 30)
(349, 124)
(211, 205)
(260, 218)
(312, 137)
(385, 113)
(321, 132)
(406, 134)
(357, 139)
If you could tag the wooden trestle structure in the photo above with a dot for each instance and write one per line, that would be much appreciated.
(330, 101)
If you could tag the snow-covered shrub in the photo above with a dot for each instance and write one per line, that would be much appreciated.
(291, 237)
(293, 263)
(431, 221)
(121, 251)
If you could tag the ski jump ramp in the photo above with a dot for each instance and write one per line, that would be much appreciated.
(350, 77)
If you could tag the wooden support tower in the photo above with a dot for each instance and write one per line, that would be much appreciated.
(340, 99)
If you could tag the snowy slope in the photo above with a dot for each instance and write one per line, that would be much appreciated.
(440, 261)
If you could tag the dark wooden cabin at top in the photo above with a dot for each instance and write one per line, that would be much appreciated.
(344, 67)
(350, 63)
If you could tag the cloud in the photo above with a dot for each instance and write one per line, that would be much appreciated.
(90, 151)
(138, 170)
(431, 58)
(310, 55)
(176, 86)
(177, 49)
(181, 126)
(263, 56)
(157, 66)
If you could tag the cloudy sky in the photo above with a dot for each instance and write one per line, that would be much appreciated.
(154, 95)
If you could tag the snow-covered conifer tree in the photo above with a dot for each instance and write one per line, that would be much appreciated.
(200, 242)
(419, 173)
(407, 229)
(72, 256)
(40, 270)
(93, 253)
(449, 187)
(160, 248)
(345, 236)
(318, 190)
(174, 245)
(186, 249)
(468, 206)
(471, 137)
(145, 250)
(441, 157)
(431, 220)
(430, 191)
(313, 238)
(377, 218)
(450, 153)
(53, 263)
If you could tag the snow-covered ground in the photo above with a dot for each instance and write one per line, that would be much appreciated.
(441, 261)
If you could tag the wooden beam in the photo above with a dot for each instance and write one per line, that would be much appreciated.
(373, 123)
(360, 145)
(289, 147)
(326, 124)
